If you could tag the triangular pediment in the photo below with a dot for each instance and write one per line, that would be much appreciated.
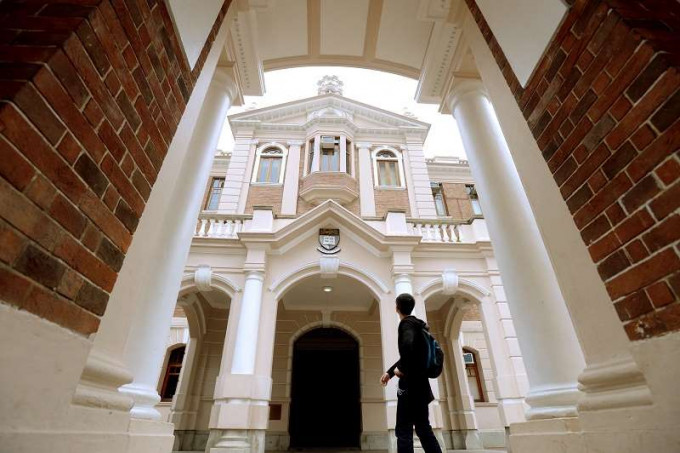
(329, 215)
(331, 108)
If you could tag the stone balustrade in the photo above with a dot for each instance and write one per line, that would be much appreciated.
(437, 230)
(223, 226)
(449, 231)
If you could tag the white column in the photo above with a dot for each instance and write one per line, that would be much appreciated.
(145, 347)
(343, 153)
(416, 167)
(179, 412)
(291, 180)
(505, 363)
(245, 348)
(366, 194)
(389, 323)
(402, 284)
(316, 159)
(237, 180)
(352, 159)
(465, 409)
(545, 332)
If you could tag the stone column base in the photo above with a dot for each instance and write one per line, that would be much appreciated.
(466, 439)
(557, 435)
(236, 441)
(150, 436)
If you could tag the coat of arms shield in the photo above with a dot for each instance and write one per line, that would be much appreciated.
(329, 238)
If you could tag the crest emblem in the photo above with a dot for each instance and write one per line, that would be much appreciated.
(329, 239)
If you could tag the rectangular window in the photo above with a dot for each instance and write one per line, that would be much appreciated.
(330, 153)
(216, 186)
(348, 158)
(388, 172)
(438, 195)
(270, 169)
(474, 199)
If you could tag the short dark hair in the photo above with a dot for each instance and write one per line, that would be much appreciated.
(405, 303)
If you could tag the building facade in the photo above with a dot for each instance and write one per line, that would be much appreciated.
(334, 210)
(111, 112)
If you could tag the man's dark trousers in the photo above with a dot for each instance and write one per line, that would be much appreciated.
(413, 411)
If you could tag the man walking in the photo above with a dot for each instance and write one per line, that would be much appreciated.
(414, 393)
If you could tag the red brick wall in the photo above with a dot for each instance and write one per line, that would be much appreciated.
(259, 195)
(603, 105)
(91, 92)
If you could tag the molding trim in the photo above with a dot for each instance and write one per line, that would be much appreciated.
(613, 384)
(370, 280)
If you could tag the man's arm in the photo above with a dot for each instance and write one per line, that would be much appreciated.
(390, 371)
(389, 374)
(407, 352)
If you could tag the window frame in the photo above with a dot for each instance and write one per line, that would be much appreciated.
(437, 186)
(258, 159)
(398, 159)
(211, 188)
(332, 158)
(473, 196)
(478, 373)
(167, 371)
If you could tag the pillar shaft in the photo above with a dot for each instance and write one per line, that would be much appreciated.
(145, 347)
(546, 335)
(245, 348)
(366, 196)
(292, 179)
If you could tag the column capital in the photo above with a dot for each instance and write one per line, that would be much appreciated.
(224, 81)
(365, 145)
(401, 275)
(254, 274)
(295, 142)
(463, 87)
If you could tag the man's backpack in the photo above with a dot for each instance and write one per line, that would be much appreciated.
(434, 356)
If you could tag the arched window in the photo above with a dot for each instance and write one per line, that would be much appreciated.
(388, 170)
(269, 164)
(474, 376)
(172, 371)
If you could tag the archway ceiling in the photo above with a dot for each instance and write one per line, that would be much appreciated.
(348, 294)
(362, 32)
(414, 38)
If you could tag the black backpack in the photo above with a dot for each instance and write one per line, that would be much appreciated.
(434, 356)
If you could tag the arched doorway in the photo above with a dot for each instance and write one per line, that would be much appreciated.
(325, 396)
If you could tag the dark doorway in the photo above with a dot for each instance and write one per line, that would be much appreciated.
(325, 409)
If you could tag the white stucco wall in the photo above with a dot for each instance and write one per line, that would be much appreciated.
(194, 20)
(523, 29)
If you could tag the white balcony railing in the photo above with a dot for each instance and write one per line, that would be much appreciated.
(223, 226)
(437, 230)
(449, 231)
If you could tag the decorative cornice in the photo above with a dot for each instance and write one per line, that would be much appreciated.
(264, 119)
(249, 64)
(462, 88)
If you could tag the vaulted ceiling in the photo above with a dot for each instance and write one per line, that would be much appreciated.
(421, 39)
(413, 38)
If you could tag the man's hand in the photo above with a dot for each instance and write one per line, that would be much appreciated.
(384, 379)
(398, 373)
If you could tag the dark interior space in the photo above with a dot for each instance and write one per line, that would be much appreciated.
(325, 408)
